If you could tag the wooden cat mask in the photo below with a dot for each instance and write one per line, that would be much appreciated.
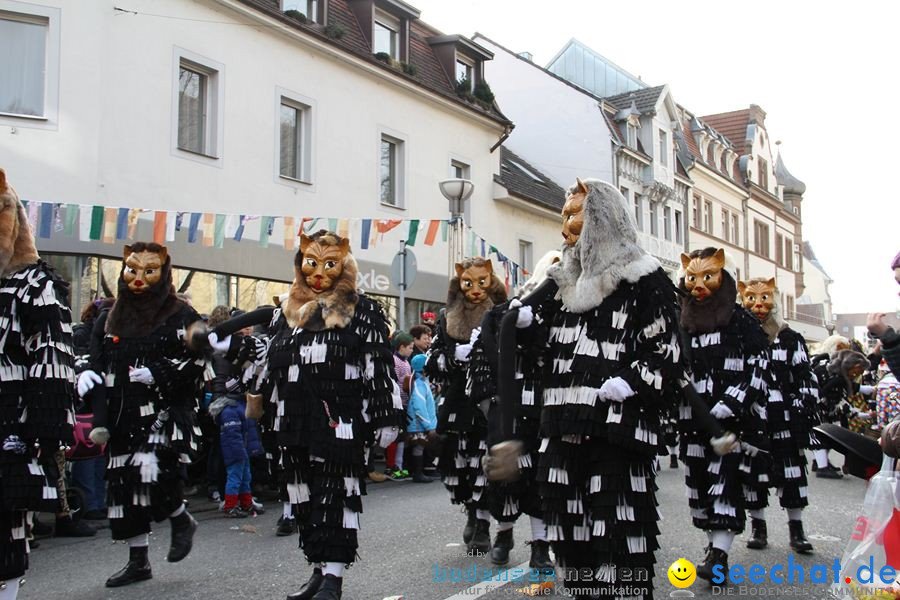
(703, 276)
(573, 213)
(758, 296)
(143, 269)
(475, 280)
(323, 262)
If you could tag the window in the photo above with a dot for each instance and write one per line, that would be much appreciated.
(392, 170)
(654, 219)
(624, 192)
(663, 148)
(526, 250)
(667, 223)
(789, 307)
(459, 170)
(386, 37)
(779, 249)
(697, 220)
(789, 253)
(679, 228)
(29, 65)
(639, 212)
(725, 228)
(735, 230)
(465, 72)
(198, 93)
(763, 173)
(761, 238)
(308, 8)
(631, 136)
(707, 205)
(294, 139)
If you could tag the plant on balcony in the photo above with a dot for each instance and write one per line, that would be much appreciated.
(483, 93)
(464, 88)
(383, 57)
(409, 69)
(335, 31)
(296, 15)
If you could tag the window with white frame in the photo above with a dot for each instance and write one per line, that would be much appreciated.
(386, 35)
(308, 8)
(725, 224)
(707, 217)
(679, 228)
(631, 136)
(294, 139)
(459, 170)
(667, 223)
(735, 230)
(391, 170)
(654, 219)
(526, 254)
(29, 64)
(639, 212)
(465, 72)
(663, 148)
(199, 92)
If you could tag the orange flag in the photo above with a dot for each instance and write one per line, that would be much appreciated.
(433, 229)
(159, 227)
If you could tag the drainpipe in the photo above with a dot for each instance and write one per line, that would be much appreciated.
(506, 133)
(746, 208)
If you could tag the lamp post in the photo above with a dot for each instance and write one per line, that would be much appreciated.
(457, 192)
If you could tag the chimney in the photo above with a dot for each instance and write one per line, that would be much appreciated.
(757, 115)
(527, 56)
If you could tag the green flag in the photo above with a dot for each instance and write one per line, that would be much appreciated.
(219, 232)
(96, 222)
(71, 219)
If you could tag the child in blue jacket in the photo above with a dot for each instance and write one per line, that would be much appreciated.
(239, 440)
(422, 416)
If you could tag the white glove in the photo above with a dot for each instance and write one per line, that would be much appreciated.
(99, 435)
(142, 375)
(525, 317)
(86, 382)
(616, 389)
(219, 346)
(866, 390)
(15, 445)
(463, 351)
(721, 411)
(474, 335)
(385, 436)
(725, 444)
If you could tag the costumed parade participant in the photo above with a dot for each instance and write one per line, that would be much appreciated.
(845, 393)
(791, 412)
(37, 385)
(472, 293)
(329, 379)
(610, 364)
(829, 398)
(508, 500)
(148, 368)
(728, 357)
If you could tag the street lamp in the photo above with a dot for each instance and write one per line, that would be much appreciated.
(457, 192)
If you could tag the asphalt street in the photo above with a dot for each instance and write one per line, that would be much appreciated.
(410, 532)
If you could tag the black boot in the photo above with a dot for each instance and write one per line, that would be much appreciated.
(469, 529)
(713, 557)
(137, 569)
(183, 528)
(798, 539)
(69, 527)
(503, 543)
(418, 475)
(829, 472)
(330, 588)
(310, 587)
(540, 556)
(673, 461)
(759, 535)
(481, 540)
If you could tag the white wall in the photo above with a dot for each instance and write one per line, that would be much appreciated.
(114, 143)
(559, 129)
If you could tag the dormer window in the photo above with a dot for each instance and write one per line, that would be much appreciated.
(465, 71)
(462, 60)
(631, 135)
(386, 38)
(312, 10)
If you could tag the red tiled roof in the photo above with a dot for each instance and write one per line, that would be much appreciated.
(732, 125)
(695, 151)
(429, 73)
(689, 140)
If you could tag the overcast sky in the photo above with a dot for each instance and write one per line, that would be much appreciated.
(824, 72)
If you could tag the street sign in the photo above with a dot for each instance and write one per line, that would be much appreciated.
(409, 277)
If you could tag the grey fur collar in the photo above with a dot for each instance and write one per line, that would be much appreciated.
(606, 254)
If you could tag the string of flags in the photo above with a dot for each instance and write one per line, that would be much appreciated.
(109, 225)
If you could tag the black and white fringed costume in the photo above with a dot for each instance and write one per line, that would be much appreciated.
(36, 385)
(329, 390)
(730, 371)
(610, 363)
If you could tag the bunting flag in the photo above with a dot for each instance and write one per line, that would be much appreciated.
(433, 227)
(46, 210)
(109, 225)
(239, 232)
(96, 223)
(219, 232)
(445, 226)
(84, 222)
(71, 219)
(133, 215)
(413, 232)
(343, 228)
(57, 218)
(179, 220)
(193, 225)
(265, 230)
(385, 226)
(332, 225)
(483, 252)
(122, 224)
(159, 227)
(290, 234)
(365, 231)
(33, 214)
(208, 225)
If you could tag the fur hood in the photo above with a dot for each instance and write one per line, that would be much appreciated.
(219, 404)
(606, 253)
(540, 272)
(462, 316)
(333, 308)
(713, 314)
(830, 344)
(17, 248)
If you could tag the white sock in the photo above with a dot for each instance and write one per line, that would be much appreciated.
(538, 530)
(483, 514)
(399, 458)
(722, 540)
(757, 513)
(795, 514)
(177, 512)
(139, 541)
(821, 457)
(333, 568)
(287, 511)
(505, 525)
(10, 589)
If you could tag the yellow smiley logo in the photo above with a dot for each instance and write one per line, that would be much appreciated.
(682, 573)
